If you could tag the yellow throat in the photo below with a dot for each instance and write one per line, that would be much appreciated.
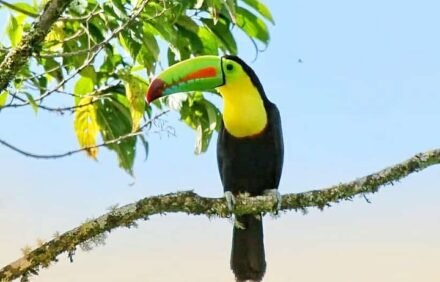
(243, 111)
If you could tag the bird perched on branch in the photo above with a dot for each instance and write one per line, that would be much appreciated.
(249, 148)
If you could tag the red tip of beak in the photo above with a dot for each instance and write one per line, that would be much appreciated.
(155, 90)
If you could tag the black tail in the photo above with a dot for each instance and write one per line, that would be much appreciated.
(247, 255)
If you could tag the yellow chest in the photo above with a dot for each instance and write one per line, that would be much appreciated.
(243, 113)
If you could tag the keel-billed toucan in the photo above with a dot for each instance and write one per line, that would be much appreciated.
(249, 147)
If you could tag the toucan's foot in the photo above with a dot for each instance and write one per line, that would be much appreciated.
(274, 193)
(230, 200)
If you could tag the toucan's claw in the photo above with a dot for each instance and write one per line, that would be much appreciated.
(230, 200)
(276, 194)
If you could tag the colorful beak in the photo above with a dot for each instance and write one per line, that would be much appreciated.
(195, 74)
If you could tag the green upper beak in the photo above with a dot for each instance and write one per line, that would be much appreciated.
(195, 74)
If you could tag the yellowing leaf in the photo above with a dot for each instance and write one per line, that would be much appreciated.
(135, 89)
(15, 28)
(86, 126)
(56, 34)
(3, 98)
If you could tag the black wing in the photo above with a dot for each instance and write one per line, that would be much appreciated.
(277, 135)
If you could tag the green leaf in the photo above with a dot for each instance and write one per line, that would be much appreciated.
(167, 32)
(96, 32)
(26, 7)
(129, 43)
(146, 146)
(231, 7)
(111, 62)
(210, 42)
(213, 115)
(205, 128)
(42, 83)
(110, 16)
(52, 68)
(85, 84)
(3, 98)
(114, 121)
(261, 8)
(203, 117)
(80, 43)
(223, 34)
(32, 102)
(171, 56)
(120, 6)
(190, 35)
(149, 52)
(86, 125)
(252, 25)
(151, 44)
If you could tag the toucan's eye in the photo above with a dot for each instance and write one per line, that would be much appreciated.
(229, 67)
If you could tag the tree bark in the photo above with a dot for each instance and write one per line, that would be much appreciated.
(191, 203)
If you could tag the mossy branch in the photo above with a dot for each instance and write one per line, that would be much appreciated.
(191, 203)
(18, 56)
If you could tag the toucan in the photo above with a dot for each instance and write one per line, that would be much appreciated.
(249, 147)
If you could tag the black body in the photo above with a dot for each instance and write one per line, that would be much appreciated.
(251, 164)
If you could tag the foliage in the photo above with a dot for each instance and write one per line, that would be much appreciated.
(101, 55)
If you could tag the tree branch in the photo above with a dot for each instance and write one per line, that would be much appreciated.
(191, 203)
(72, 152)
(93, 52)
(17, 57)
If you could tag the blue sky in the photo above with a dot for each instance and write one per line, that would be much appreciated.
(364, 97)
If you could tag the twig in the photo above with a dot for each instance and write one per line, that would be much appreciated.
(83, 18)
(72, 152)
(99, 93)
(191, 203)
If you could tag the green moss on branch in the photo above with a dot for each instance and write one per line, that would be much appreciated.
(18, 57)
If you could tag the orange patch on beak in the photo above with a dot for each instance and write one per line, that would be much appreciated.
(202, 73)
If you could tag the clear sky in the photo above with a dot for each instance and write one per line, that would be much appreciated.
(365, 96)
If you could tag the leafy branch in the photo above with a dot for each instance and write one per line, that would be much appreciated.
(95, 44)
(93, 52)
(191, 203)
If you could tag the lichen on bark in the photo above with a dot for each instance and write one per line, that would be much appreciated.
(191, 203)
(17, 57)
